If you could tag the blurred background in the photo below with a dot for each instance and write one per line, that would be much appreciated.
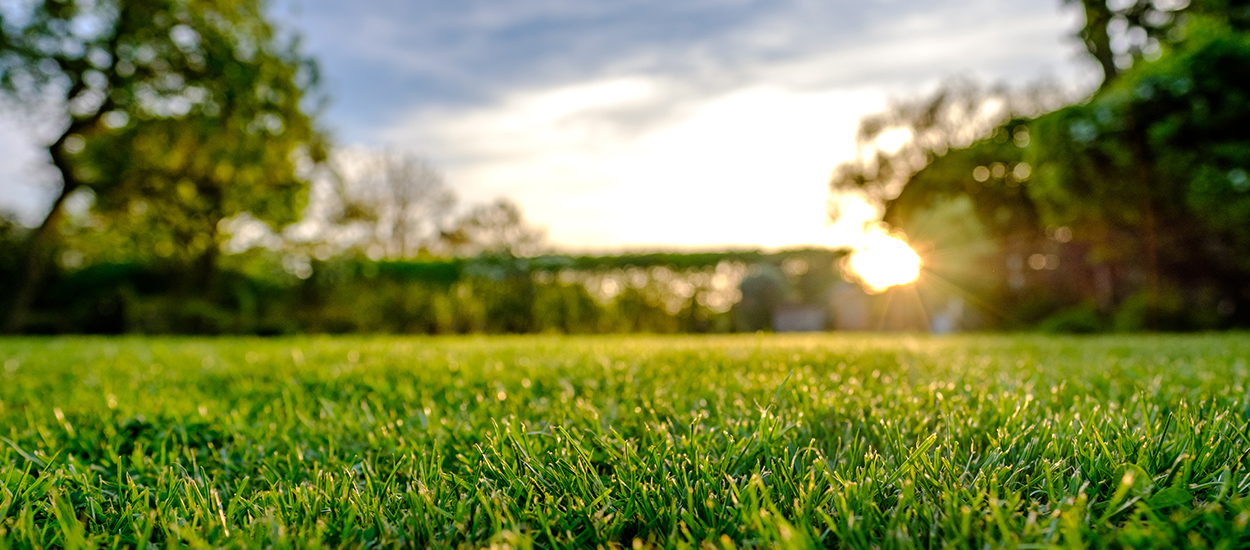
(241, 166)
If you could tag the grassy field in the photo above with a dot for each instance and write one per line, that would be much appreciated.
(712, 442)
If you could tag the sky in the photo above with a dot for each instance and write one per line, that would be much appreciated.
(639, 124)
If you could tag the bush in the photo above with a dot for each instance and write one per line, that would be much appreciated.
(1167, 312)
(1083, 319)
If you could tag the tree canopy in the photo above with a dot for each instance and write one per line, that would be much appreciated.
(177, 114)
(1132, 203)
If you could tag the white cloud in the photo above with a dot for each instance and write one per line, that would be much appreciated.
(712, 123)
(729, 155)
(592, 164)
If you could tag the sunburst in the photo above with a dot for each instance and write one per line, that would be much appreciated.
(883, 261)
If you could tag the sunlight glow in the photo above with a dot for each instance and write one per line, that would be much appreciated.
(883, 261)
(744, 168)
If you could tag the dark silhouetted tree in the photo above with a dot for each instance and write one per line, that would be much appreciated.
(495, 228)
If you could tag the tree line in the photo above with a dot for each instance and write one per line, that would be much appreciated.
(195, 181)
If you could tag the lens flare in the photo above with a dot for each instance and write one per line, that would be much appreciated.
(883, 261)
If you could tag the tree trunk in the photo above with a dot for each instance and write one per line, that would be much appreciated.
(206, 264)
(1138, 137)
(203, 283)
(1097, 39)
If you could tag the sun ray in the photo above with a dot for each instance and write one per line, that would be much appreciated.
(935, 279)
(913, 291)
(961, 247)
(884, 314)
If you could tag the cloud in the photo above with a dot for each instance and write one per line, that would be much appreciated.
(597, 165)
(390, 53)
(642, 122)
(729, 141)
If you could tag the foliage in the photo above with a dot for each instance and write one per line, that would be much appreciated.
(387, 205)
(495, 228)
(827, 441)
(1082, 319)
(1118, 34)
(180, 115)
(1148, 174)
(1179, 121)
(1140, 189)
(392, 206)
(892, 146)
(257, 294)
(235, 150)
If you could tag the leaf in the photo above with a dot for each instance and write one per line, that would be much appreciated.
(1172, 496)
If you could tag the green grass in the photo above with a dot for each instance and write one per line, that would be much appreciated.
(713, 442)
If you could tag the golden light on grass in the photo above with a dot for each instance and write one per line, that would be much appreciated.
(883, 261)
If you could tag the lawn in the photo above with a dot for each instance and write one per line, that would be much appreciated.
(734, 441)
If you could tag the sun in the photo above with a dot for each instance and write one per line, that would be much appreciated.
(883, 261)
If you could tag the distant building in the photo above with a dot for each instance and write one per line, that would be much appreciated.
(852, 307)
(799, 318)
(763, 290)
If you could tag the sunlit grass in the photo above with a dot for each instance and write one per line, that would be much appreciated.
(831, 441)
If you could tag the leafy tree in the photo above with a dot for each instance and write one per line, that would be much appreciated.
(393, 204)
(893, 146)
(1153, 170)
(1119, 34)
(494, 228)
(963, 140)
(1139, 191)
(177, 115)
(396, 206)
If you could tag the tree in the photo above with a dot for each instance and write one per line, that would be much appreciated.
(495, 228)
(892, 146)
(916, 159)
(1140, 189)
(396, 202)
(898, 143)
(397, 206)
(1152, 169)
(194, 109)
(1119, 34)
